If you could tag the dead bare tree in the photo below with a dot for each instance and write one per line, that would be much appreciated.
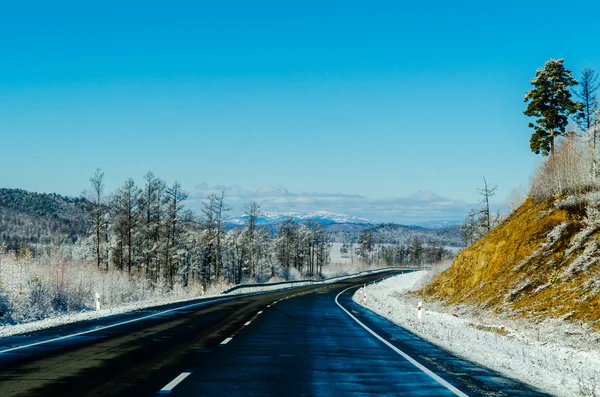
(486, 193)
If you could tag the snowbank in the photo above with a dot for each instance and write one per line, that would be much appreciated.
(556, 357)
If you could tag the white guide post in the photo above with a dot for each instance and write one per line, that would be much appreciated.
(419, 311)
(97, 301)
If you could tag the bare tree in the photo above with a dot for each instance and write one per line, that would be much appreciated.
(252, 212)
(125, 207)
(486, 193)
(151, 210)
(220, 209)
(174, 198)
(213, 216)
(480, 221)
(585, 118)
(98, 209)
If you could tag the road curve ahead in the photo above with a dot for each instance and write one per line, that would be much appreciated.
(286, 343)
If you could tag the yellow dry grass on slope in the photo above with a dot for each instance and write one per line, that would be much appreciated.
(541, 262)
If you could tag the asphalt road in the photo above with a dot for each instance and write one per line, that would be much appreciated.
(285, 343)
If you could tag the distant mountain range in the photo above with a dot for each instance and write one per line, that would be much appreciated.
(331, 220)
(325, 218)
(344, 227)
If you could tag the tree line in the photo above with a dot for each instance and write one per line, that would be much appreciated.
(412, 252)
(148, 230)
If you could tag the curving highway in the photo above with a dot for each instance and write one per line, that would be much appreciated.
(308, 341)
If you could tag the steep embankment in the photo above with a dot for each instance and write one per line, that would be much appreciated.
(543, 261)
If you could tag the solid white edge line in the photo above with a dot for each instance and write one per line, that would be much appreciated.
(176, 381)
(226, 341)
(118, 324)
(431, 374)
(110, 326)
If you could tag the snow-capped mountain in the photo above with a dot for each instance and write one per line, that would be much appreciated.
(323, 217)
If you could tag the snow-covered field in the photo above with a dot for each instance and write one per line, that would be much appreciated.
(337, 257)
(556, 357)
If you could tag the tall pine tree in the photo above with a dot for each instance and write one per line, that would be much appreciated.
(550, 102)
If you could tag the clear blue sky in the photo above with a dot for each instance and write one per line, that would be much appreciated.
(380, 100)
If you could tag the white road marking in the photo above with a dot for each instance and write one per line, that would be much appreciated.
(176, 381)
(247, 323)
(226, 341)
(268, 305)
(260, 312)
(109, 326)
(411, 360)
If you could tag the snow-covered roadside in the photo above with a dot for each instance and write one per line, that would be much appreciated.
(8, 330)
(558, 358)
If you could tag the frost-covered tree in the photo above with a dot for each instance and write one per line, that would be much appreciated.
(416, 251)
(126, 216)
(585, 117)
(151, 209)
(565, 173)
(366, 244)
(252, 212)
(213, 211)
(285, 243)
(220, 209)
(550, 102)
(174, 223)
(98, 209)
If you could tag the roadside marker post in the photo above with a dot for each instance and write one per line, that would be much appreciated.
(419, 311)
(97, 301)
(365, 294)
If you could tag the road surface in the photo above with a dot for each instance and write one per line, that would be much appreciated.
(299, 342)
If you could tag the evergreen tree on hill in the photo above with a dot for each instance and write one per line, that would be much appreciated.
(550, 102)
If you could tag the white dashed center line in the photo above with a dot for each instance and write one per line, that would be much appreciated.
(226, 341)
(175, 381)
(247, 323)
